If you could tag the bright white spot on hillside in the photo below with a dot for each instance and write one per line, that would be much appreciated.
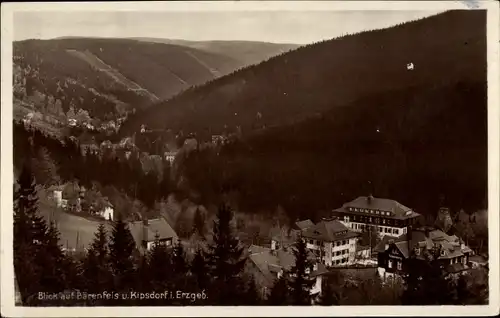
(410, 66)
(235, 114)
(378, 130)
(100, 49)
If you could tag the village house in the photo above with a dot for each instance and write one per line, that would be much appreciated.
(105, 210)
(387, 216)
(267, 265)
(146, 232)
(331, 242)
(393, 253)
(170, 156)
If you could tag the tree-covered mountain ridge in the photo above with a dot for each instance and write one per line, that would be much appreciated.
(113, 75)
(314, 78)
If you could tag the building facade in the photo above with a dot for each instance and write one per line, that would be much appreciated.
(387, 217)
(393, 253)
(267, 265)
(331, 242)
(146, 232)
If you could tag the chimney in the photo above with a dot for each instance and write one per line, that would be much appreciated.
(369, 198)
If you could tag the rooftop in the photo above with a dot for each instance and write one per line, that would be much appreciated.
(302, 225)
(426, 238)
(270, 262)
(329, 231)
(370, 204)
(155, 226)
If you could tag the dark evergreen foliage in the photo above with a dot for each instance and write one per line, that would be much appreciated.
(280, 293)
(121, 249)
(226, 261)
(300, 282)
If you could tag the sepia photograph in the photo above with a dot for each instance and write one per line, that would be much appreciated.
(203, 155)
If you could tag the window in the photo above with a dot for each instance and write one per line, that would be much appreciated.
(370, 220)
(169, 242)
(399, 266)
(383, 221)
(389, 263)
(394, 231)
(337, 253)
(378, 212)
(380, 229)
(417, 251)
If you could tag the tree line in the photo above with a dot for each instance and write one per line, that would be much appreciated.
(215, 275)
(57, 160)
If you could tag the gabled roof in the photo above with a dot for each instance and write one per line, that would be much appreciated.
(271, 262)
(159, 225)
(478, 259)
(329, 231)
(426, 239)
(396, 209)
(305, 224)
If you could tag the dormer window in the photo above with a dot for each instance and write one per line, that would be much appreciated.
(417, 251)
(443, 253)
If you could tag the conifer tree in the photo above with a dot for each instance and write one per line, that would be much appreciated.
(199, 223)
(165, 183)
(328, 295)
(179, 263)
(121, 247)
(425, 281)
(252, 296)
(199, 270)
(96, 272)
(160, 266)
(301, 284)
(280, 293)
(29, 230)
(225, 260)
(39, 262)
(45, 170)
(53, 262)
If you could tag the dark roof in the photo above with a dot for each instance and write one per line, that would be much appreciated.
(380, 247)
(305, 224)
(451, 246)
(159, 225)
(329, 231)
(271, 262)
(455, 268)
(478, 259)
(396, 209)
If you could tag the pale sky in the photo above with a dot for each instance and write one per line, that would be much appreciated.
(268, 26)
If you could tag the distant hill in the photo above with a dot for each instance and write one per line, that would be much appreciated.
(245, 52)
(316, 78)
(345, 118)
(123, 71)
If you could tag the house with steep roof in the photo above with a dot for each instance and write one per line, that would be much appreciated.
(387, 216)
(393, 253)
(146, 232)
(267, 265)
(332, 242)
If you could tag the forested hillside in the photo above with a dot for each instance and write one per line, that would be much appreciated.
(413, 136)
(315, 78)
